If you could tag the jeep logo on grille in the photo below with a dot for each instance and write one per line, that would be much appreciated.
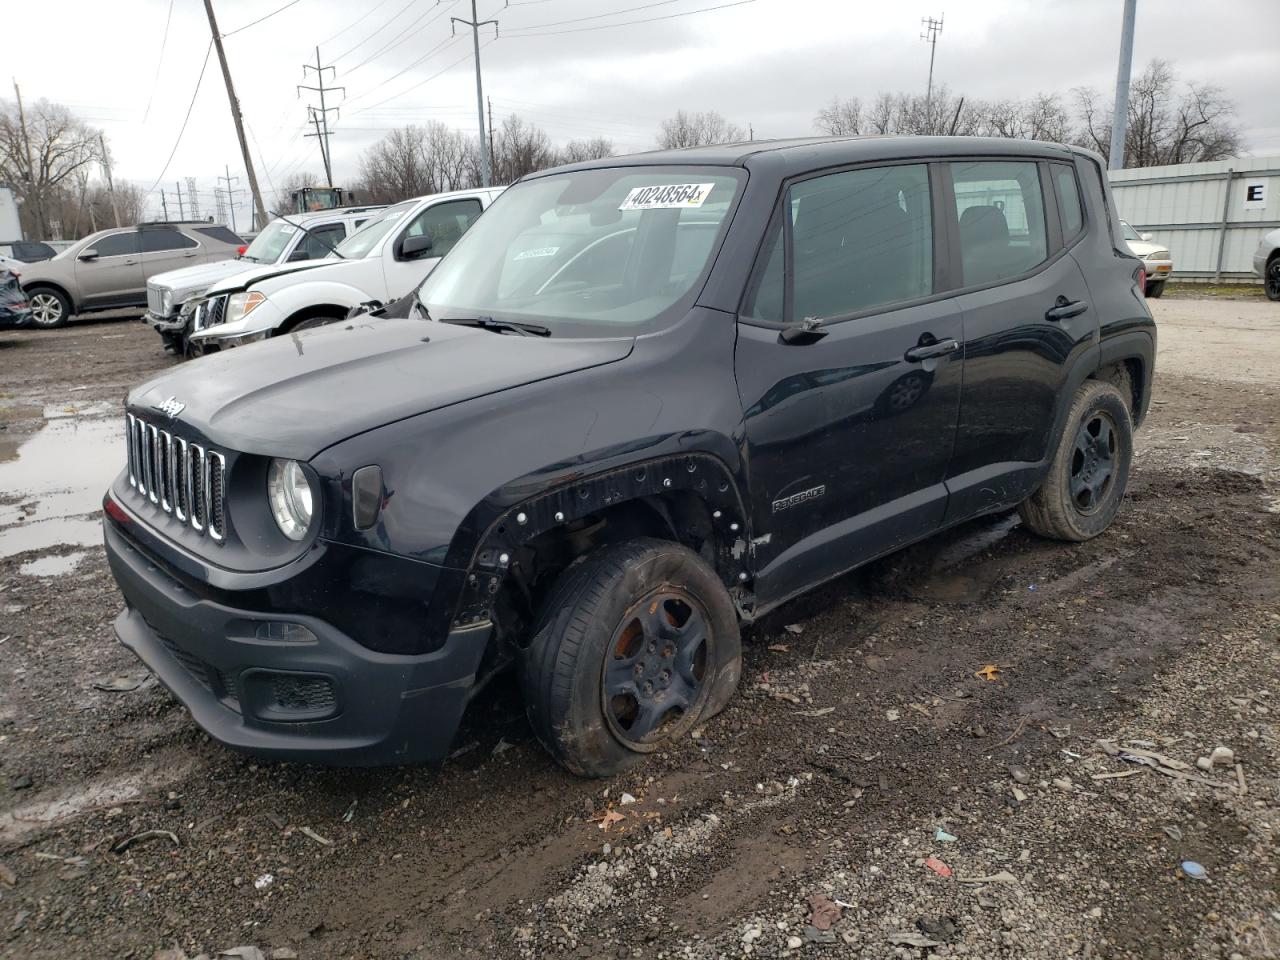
(170, 408)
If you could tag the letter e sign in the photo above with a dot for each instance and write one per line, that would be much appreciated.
(1255, 195)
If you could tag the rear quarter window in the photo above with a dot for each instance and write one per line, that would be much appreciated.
(221, 234)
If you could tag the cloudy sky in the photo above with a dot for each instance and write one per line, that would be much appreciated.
(582, 68)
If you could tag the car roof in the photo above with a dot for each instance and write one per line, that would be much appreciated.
(806, 153)
(337, 212)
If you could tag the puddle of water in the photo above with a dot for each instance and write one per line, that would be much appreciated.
(53, 566)
(64, 469)
(81, 408)
(983, 538)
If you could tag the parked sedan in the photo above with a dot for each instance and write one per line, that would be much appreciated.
(1156, 258)
(1266, 263)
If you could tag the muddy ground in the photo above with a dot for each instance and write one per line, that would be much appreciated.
(861, 731)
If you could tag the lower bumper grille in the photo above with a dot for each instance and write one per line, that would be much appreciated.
(221, 683)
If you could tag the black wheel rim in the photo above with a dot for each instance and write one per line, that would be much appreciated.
(655, 666)
(1093, 462)
(1273, 280)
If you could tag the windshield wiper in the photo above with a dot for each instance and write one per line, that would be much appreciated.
(309, 233)
(500, 326)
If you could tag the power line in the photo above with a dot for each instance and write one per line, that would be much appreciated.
(601, 16)
(396, 96)
(439, 46)
(628, 23)
(159, 63)
(409, 32)
(232, 33)
(376, 32)
(364, 16)
(190, 106)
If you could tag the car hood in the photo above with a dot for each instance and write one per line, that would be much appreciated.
(295, 395)
(241, 279)
(1143, 248)
(198, 277)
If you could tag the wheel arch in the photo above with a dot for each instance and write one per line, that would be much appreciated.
(1134, 355)
(310, 312)
(52, 285)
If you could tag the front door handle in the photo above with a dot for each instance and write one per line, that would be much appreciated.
(1064, 309)
(928, 351)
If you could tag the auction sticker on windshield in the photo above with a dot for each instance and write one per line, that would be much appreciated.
(670, 196)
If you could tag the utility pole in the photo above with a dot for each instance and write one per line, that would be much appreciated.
(475, 25)
(1120, 115)
(929, 34)
(32, 192)
(235, 116)
(321, 117)
(491, 147)
(230, 197)
(164, 204)
(181, 212)
(111, 187)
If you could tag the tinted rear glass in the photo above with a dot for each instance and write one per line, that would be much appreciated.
(221, 234)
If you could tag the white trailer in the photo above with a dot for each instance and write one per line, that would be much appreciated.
(10, 222)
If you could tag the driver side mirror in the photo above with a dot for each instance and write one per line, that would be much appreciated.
(90, 254)
(1145, 236)
(415, 247)
(300, 254)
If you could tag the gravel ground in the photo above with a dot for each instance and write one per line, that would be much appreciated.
(867, 794)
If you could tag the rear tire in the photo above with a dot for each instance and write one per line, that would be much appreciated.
(637, 643)
(1155, 290)
(1271, 282)
(50, 307)
(1090, 468)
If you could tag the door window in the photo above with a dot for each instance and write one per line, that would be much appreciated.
(158, 241)
(444, 223)
(1068, 193)
(1001, 213)
(318, 242)
(116, 244)
(859, 239)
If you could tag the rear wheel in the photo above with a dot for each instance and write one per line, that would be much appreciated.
(1272, 280)
(1155, 290)
(1090, 468)
(637, 643)
(49, 307)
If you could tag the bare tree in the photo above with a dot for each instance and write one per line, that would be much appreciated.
(576, 151)
(452, 158)
(696, 129)
(520, 147)
(57, 144)
(1042, 117)
(395, 167)
(841, 118)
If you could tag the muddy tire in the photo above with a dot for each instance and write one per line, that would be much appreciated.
(1090, 468)
(50, 307)
(637, 643)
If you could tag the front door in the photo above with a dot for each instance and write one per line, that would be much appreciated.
(1027, 319)
(444, 223)
(849, 430)
(113, 274)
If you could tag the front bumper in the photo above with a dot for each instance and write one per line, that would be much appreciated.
(1157, 270)
(328, 700)
(168, 324)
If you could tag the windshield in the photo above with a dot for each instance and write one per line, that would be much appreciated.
(592, 252)
(1128, 231)
(270, 244)
(360, 243)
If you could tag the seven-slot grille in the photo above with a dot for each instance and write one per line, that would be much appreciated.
(155, 300)
(183, 479)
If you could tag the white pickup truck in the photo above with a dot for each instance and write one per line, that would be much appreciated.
(382, 261)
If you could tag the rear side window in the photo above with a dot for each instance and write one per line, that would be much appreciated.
(221, 234)
(1068, 193)
(116, 244)
(860, 239)
(444, 223)
(1001, 213)
(156, 241)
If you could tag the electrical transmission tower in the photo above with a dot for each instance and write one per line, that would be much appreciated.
(230, 195)
(475, 25)
(319, 116)
(930, 29)
(193, 204)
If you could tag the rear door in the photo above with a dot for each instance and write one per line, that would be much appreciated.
(849, 434)
(444, 222)
(165, 249)
(114, 274)
(1027, 320)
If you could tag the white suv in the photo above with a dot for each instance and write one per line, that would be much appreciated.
(383, 261)
(307, 236)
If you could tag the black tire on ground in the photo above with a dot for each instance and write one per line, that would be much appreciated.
(1090, 468)
(1155, 290)
(637, 643)
(50, 307)
(1271, 282)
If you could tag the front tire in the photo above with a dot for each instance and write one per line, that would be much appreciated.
(1155, 290)
(637, 643)
(1271, 283)
(50, 308)
(1090, 468)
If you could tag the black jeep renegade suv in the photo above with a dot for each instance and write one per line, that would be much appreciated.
(643, 401)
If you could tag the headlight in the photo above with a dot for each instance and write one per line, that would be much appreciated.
(289, 493)
(242, 304)
(1157, 255)
(166, 300)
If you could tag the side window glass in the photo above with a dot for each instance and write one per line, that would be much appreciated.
(444, 223)
(1001, 213)
(1068, 192)
(768, 291)
(116, 244)
(311, 247)
(157, 241)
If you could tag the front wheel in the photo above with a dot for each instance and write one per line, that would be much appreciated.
(637, 643)
(1155, 290)
(1090, 468)
(49, 307)
(1272, 280)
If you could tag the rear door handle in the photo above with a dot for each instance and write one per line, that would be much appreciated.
(1064, 309)
(928, 351)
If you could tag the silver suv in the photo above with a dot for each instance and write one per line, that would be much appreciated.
(281, 241)
(109, 269)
